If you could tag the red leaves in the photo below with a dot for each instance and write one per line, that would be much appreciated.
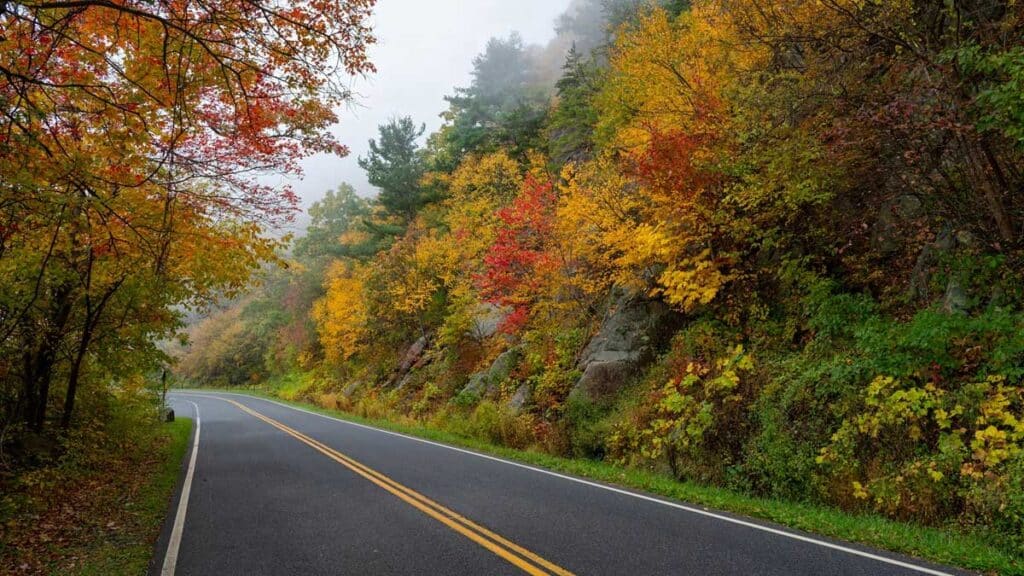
(113, 102)
(515, 263)
(668, 165)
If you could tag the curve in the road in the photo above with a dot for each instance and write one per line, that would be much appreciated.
(516, 555)
(585, 521)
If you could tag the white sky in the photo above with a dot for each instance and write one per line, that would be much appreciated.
(425, 49)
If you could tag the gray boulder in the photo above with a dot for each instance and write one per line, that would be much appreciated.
(955, 299)
(630, 333)
(486, 321)
(520, 398)
(486, 383)
(603, 379)
(350, 389)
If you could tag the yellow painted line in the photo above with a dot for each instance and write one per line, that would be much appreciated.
(518, 556)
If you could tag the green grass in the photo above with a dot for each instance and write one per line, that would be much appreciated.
(952, 547)
(130, 551)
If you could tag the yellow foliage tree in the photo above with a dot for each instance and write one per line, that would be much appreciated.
(341, 315)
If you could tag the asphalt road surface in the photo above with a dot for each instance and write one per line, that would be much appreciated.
(274, 490)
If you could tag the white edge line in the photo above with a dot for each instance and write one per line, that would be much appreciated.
(174, 542)
(800, 537)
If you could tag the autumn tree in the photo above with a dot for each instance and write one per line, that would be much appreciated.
(519, 259)
(131, 140)
(919, 106)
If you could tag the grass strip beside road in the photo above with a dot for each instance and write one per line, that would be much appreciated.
(129, 553)
(949, 546)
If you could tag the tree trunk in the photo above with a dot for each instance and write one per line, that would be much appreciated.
(980, 164)
(41, 359)
(92, 319)
(76, 370)
(1006, 227)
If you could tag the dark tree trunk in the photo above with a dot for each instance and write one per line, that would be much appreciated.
(76, 370)
(92, 319)
(41, 359)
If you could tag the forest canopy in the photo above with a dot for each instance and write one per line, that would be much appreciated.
(132, 138)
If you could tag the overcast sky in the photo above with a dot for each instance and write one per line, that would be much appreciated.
(425, 49)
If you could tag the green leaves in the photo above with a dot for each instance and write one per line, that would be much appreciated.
(997, 79)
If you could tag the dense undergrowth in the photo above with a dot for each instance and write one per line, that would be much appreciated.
(92, 502)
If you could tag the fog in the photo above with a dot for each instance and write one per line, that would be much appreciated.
(425, 51)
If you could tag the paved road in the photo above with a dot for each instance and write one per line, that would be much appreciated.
(279, 491)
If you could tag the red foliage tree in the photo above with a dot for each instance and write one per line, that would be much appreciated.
(515, 264)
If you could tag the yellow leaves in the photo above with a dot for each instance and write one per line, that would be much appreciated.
(669, 74)
(992, 446)
(859, 492)
(493, 177)
(644, 215)
(689, 404)
(413, 291)
(690, 282)
(341, 315)
(957, 436)
(597, 216)
(353, 237)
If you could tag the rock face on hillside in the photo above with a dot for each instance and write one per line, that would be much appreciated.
(487, 320)
(632, 330)
(414, 357)
(948, 242)
(520, 398)
(486, 383)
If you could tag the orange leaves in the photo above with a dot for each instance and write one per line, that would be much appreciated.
(119, 94)
(669, 166)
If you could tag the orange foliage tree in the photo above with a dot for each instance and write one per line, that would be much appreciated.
(131, 139)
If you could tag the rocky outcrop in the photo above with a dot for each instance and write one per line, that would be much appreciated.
(486, 383)
(414, 357)
(954, 297)
(351, 388)
(487, 320)
(412, 354)
(630, 333)
(520, 398)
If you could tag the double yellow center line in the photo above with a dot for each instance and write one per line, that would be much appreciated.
(517, 555)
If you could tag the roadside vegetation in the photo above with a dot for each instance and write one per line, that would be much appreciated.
(772, 248)
(96, 509)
